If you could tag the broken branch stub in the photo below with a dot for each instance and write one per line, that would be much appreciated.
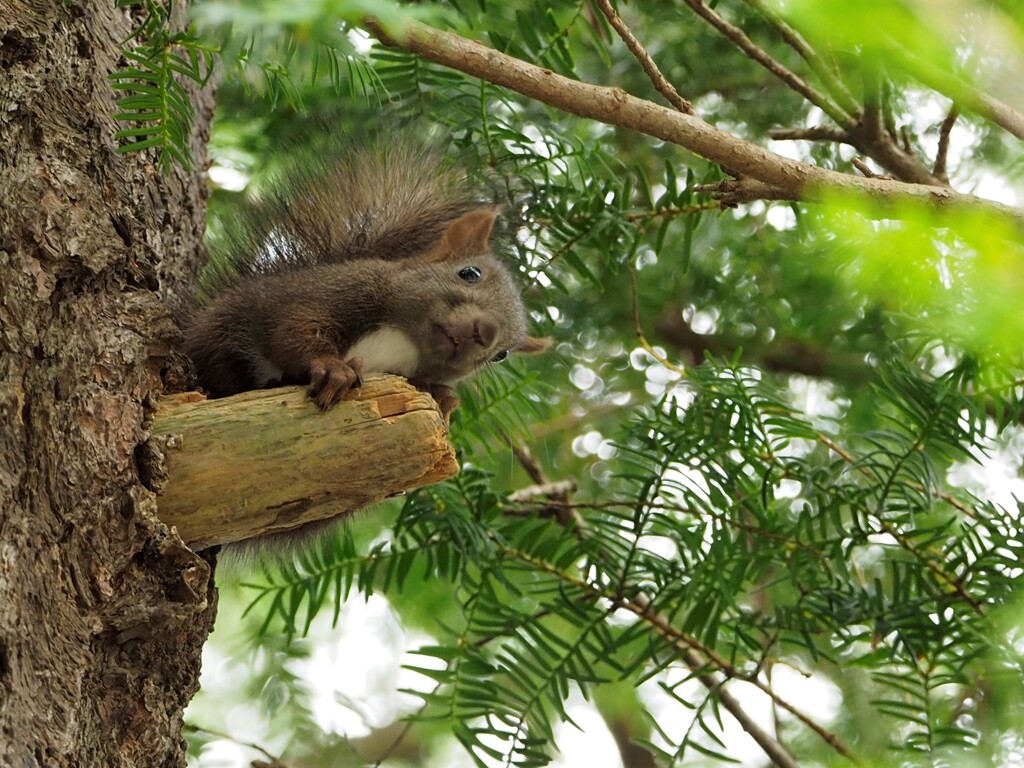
(268, 461)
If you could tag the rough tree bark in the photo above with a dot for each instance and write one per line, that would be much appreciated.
(102, 611)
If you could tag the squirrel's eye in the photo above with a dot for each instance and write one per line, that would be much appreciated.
(500, 356)
(471, 274)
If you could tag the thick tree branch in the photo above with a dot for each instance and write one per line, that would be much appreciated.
(777, 178)
(877, 137)
(657, 78)
(901, 161)
(269, 461)
(732, 192)
(938, 79)
(873, 138)
(782, 355)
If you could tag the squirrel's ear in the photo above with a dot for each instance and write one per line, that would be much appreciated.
(531, 345)
(468, 234)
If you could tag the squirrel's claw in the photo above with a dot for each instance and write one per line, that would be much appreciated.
(331, 378)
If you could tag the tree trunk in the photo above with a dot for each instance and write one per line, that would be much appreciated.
(103, 611)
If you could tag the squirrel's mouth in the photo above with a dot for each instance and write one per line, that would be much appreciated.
(449, 341)
(465, 338)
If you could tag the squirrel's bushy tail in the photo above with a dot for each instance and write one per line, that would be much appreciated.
(339, 201)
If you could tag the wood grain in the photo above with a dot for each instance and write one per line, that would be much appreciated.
(269, 460)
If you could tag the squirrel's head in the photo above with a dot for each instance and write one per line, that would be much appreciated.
(464, 309)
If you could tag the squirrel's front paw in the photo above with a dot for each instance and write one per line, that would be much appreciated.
(330, 379)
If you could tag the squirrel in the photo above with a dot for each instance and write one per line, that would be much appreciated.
(378, 260)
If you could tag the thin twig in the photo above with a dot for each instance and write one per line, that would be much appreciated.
(814, 133)
(558, 504)
(872, 122)
(663, 86)
(638, 329)
(642, 608)
(704, 513)
(965, 94)
(887, 115)
(691, 652)
(887, 527)
(953, 501)
(864, 168)
(908, 144)
(942, 153)
(558, 488)
(739, 38)
(396, 742)
(641, 218)
(275, 762)
(941, 575)
(526, 459)
(837, 88)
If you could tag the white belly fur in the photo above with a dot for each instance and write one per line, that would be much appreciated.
(386, 350)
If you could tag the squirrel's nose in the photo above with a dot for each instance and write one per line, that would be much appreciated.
(484, 332)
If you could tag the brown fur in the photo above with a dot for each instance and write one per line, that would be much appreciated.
(343, 247)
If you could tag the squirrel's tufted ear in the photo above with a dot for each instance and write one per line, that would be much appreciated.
(469, 234)
(532, 345)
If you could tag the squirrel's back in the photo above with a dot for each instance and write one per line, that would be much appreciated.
(390, 199)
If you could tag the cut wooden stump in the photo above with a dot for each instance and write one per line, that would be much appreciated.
(267, 461)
